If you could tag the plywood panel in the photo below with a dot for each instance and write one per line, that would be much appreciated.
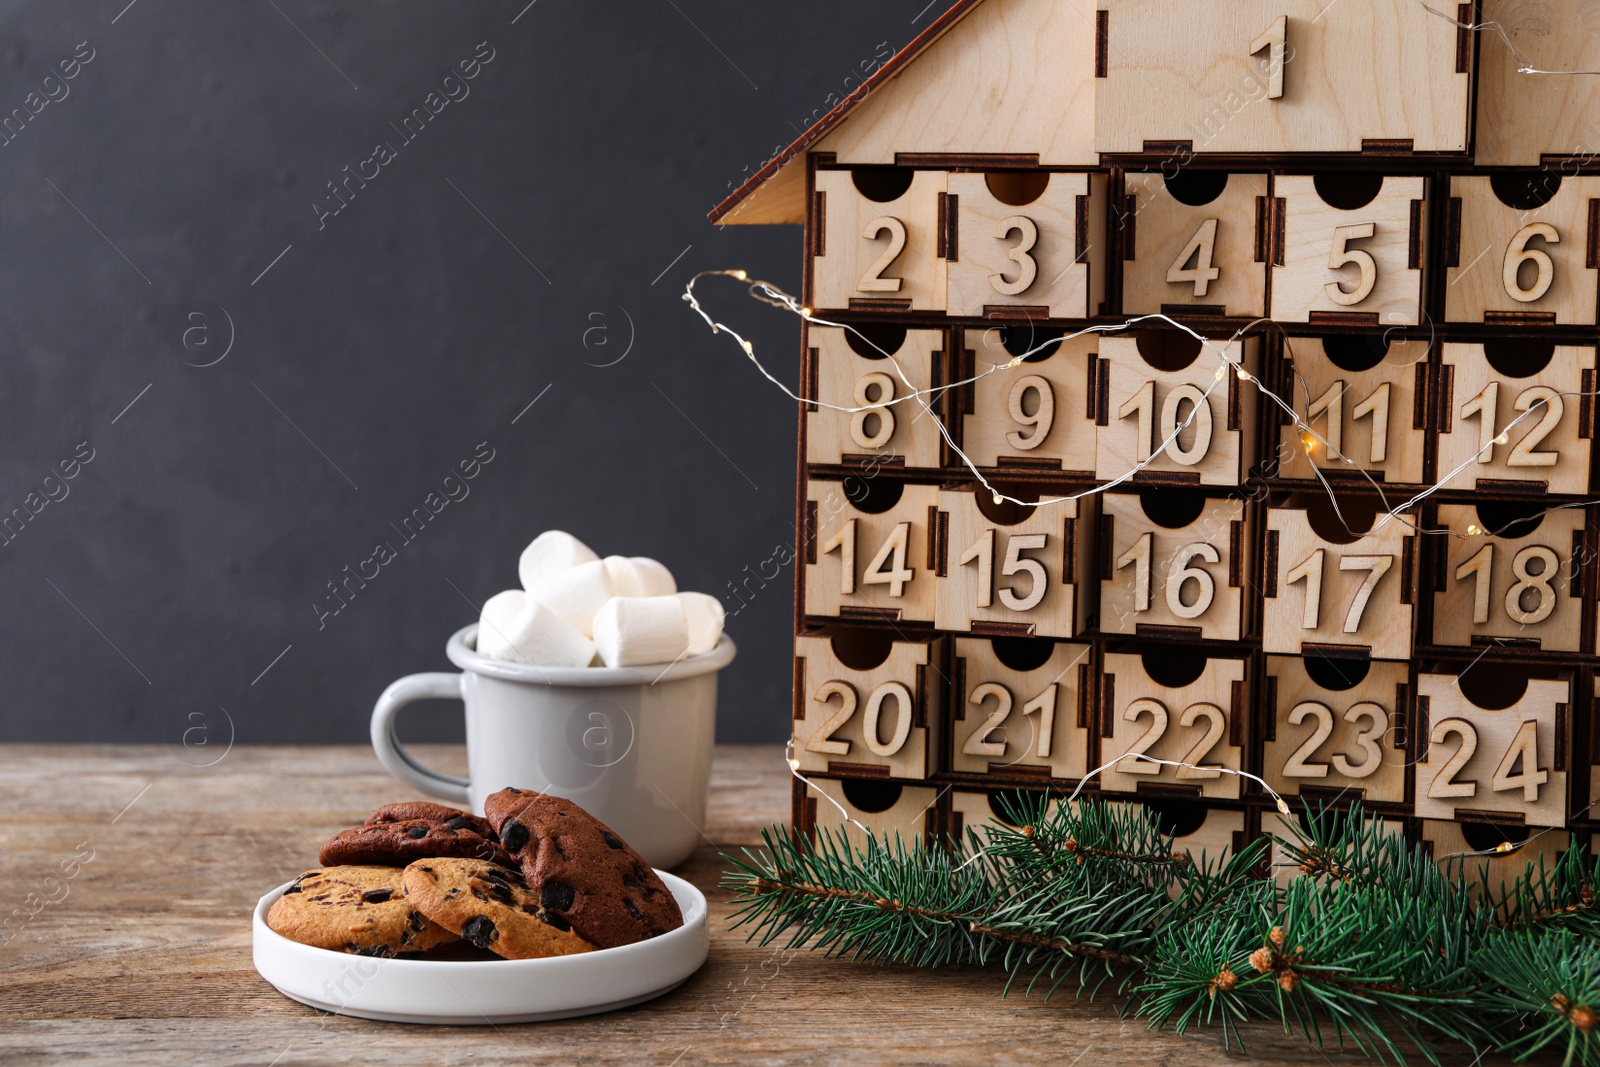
(1354, 265)
(1164, 581)
(1522, 117)
(1348, 741)
(885, 253)
(1356, 595)
(862, 564)
(1520, 262)
(906, 812)
(1513, 589)
(1204, 723)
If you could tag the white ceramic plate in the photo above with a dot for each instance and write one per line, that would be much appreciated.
(475, 992)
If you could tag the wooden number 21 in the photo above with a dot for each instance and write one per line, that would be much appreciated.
(1310, 572)
(1216, 722)
(823, 740)
(1524, 749)
(979, 742)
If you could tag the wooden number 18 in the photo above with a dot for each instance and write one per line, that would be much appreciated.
(1528, 581)
(1310, 572)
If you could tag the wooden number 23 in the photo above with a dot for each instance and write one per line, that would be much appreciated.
(1300, 765)
(1216, 721)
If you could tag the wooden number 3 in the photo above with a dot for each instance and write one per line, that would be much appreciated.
(1027, 266)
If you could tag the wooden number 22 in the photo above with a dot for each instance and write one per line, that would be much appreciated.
(1216, 722)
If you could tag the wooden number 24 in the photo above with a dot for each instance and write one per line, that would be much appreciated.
(1310, 572)
(1178, 573)
(888, 567)
(1524, 749)
(1300, 765)
(979, 742)
(823, 740)
(982, 555)
(1216, 722)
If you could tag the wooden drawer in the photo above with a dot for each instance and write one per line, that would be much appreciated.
(1507, 576)
(1021, 707)
(1174, 564)
(1348, 248)
(1490, 854)
(877, 234)
(980, 810)
(1516, 414)
(1336, 728)
(869, 557)
(1522, 118)
(1169, 409)
(867, 704)
(1523, 247)
(1196, 711)
(844, 371)
(1195, 242)
(1028, 244)
(857, 806)
(1365, 398)
(1329, 590)
(1035, 416)
(1502, 765)
(1286, 76)
(1013, 570)
(1285, 868)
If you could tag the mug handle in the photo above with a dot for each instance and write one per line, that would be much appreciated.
(395, 759)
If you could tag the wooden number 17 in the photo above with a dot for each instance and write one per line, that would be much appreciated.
(1310, 572)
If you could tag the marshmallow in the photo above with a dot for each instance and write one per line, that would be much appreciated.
(519, 630)
(576, 594)
(639, 576)
(631, 631)
(704, 615)
(551, 553)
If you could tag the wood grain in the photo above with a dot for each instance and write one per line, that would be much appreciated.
(147, 961)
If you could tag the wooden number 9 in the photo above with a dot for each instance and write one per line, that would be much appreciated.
(885, 416)
(1027, 267)
(1518, 253)
(1044, 412)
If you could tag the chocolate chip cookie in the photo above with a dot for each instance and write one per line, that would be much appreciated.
(582, 871)
(395, 844)
(490, 906)
(354, 909)
(454, 818)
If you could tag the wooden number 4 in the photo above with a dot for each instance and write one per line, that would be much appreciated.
(981, 743)
(1310, 572)
(982, 554)
(888, 567)
(1275, 40)
(1523, 751)
(1200, 249)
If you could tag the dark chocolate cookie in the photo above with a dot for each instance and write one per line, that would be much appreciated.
(354, 909)
(582, 870)
(395, 844)
(454, 818)
(490, 906)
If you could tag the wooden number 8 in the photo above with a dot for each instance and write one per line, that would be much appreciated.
(885, 417)
(1538, 583)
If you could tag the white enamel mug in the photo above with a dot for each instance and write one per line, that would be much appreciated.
(632, 745)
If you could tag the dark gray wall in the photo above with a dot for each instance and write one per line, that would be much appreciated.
(163, 207)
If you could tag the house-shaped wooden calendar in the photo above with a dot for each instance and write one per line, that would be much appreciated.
(1343, 544)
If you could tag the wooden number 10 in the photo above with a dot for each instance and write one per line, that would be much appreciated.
(982, 553)
(1486, 405)
(888, 567)
(1536, 582)
(1216, 722)
(1331, 404)
(823, 740)
(1523, 750)
(1310, 572)
(980, 743)
(1153, 435)
(1178, 573)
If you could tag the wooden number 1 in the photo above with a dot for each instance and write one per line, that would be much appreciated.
(1275, 40)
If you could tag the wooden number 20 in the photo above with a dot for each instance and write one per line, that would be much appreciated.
(980, 743)
(1523, 750)
(823, 740)
(1216, 722)
(1310, 572)
(1300, 765)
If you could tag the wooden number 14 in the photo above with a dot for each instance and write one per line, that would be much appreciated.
(888, 567)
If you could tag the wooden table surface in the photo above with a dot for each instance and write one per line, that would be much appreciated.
(144, 958)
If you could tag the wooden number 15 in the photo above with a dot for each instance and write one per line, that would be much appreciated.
(982, 553)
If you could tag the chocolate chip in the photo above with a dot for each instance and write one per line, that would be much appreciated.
(555, 896)
(293, 889)
(551, 919)
(416, 921)
(513, 835)
(479, 930)
(460, 822)
(416, 831)
(633, 909)
(381, 951)
(376, 896)
(611, 839)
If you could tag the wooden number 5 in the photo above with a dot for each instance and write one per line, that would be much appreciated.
(1027, 267)
(873, 281)
(1342, 254)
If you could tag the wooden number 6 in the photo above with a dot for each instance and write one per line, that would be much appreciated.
(1518, 253)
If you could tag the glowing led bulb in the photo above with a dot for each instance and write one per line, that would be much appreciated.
(1500, 440)
(998, 499)
(1472, 529)
(805, 313)
(741, 275)
(749, 349)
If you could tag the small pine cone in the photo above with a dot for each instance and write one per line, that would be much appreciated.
(1070, 844)
(1277, 937)
(1027, 831)
(1261, 959)
(1225, 980)
(1584, 1017)
(1287, 981)
(881, 902)
(1180, 857)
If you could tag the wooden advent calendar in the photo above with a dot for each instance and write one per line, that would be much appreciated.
(1404, 233)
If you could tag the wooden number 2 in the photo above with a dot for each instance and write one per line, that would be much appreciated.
(980, 743)
(1342, 254)
(1300, 765)
(1027, 266)
(873, 281)
(1310, 571)
(888, 567)
(1275, 40)
(1216, 723)
(1200, 249)
(1523, 751)
(1518, 253)
(823, 740)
